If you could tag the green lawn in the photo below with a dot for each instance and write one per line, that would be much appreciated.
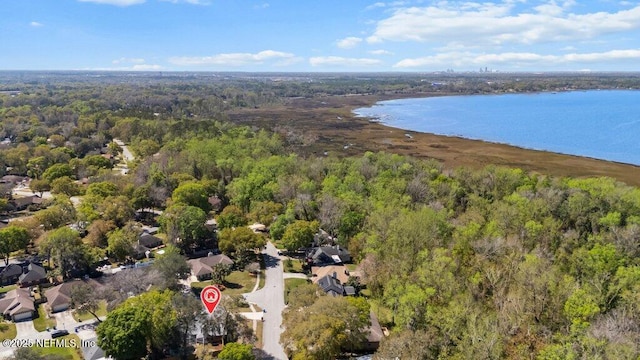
(69, 353)
(292, 265)
(262, 279)
(238, 282)
(42, 322)
(289, 284)
(351, 267)
(7, 330)
(102, 311)
(7, 288)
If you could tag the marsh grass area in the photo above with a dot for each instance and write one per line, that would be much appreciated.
(327, 125)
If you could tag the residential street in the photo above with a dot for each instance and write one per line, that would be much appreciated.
(271, 298)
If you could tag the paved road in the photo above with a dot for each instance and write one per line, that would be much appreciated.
(126, 157)
(126, 154)
(271, 298)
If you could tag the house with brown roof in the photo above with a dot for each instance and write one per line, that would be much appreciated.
(59, 297)
(202, 268)
(18, 305)
(340, 272)
(21, 203)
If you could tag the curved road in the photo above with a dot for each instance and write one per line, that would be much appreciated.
(271, 298)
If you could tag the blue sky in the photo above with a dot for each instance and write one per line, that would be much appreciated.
(325, 35)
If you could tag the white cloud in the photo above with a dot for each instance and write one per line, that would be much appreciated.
(136, 67)
(124, 60)
(376, 5)
(35, 24)
(232, 59)
(496, 24)
(349, 42)
(380, 52)
(341, 61)
(146, 67)
(261, 6)
(116, 2)
(517, 59)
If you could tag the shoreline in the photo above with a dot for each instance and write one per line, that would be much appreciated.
(383, 118)
(332, 126)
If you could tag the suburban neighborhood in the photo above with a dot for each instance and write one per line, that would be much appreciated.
(41, 303)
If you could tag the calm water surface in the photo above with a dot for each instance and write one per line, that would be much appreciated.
(599, 124)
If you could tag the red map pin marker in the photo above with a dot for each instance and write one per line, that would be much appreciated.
(210, 297)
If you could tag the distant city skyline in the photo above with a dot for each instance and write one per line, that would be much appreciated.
(322, 36)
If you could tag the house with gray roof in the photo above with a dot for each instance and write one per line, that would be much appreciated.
(34, 275)
(328, 255)
(202, 268)
(10, 274)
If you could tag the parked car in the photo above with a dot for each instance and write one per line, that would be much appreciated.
(59, 333)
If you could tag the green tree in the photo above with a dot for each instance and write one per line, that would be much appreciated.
(12, 238)
(102, 189)
(172, 267)
(188, 315)
(123, 335)
(39, 186)
(85, 299)
(184, 226)
(231, 216)
(65, 185)
(580, 308)
(192, 194)
(56, 171)
(141, 325)
(236, 351)
(67, 250)
(299, 234)
(239, 240)
(220, 272)
(324, 329)
(121, 242)
(264, 212)
(279, 226)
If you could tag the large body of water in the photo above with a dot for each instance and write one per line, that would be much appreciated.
(598, 124)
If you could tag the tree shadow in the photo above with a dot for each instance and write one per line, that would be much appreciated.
(270, 261)
(262, 355)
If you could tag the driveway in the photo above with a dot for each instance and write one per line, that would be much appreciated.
(271, 299)
(25, 330)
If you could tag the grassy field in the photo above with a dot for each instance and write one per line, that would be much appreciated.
(8, 288)
(238, 282)
(289, 284)
(64, 352)
(292, 265)
(42, 322)
(328, 123)
(102, 311)
(7, 330)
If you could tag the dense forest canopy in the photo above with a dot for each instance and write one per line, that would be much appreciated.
(458, 263)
